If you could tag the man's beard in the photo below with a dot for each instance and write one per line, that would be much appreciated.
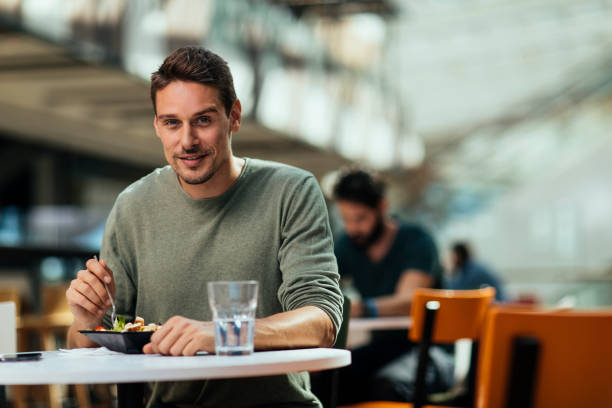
(202, 178)
(363, 243)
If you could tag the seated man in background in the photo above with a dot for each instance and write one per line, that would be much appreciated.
(209, 216)
(386, 260)
(465, 273)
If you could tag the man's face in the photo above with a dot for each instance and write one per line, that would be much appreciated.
(453, 260)
(363, 224)
(194, 129)
(448, 261)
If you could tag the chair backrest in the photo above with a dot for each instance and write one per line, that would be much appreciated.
(8, 333)
(460, 315)
(342, 337)
(567, 354)
(54, 299)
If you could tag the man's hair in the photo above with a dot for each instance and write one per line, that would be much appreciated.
(359, 186)
(463, 252)
(195, 64)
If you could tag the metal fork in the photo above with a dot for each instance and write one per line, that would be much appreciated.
(113, 313)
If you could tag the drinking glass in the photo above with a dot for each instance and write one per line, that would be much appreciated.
(233, 304)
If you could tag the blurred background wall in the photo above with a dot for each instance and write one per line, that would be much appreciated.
(491, 119)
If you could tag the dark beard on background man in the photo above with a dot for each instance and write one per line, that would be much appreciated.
(377, 231)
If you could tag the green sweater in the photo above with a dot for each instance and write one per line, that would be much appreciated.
(271, 225)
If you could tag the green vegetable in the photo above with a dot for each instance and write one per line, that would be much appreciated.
(119, 323)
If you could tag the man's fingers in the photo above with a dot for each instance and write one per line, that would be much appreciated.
(108, 270)
(192, 347)
(92, 281)
(110, 273)
(75, 297)
(148, 349)
(161, 332)
(165, 329)
(87, 291)
(99, 270)
(178, 348)
(170, 338)
(181, 336)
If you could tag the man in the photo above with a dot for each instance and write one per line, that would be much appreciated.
(211, 216)
(386, 261)
(465, 273)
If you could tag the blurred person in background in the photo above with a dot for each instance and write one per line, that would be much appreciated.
(465, 273)
(209, 216)
(386, 260)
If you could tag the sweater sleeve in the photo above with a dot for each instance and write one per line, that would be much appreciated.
(306, 256)
(114, 252)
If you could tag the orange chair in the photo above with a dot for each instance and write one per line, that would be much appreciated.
(557, 359)
(440, 316)
(460, 315)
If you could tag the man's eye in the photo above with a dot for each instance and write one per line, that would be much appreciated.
(171, 122)
(203, 120)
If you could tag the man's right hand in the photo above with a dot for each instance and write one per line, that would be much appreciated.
(87, 297)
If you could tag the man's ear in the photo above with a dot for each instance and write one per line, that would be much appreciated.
(156, 125)
(235, 116)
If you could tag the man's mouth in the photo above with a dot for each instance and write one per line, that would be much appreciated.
(192, 160)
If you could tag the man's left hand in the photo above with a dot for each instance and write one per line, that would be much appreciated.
(180, 336)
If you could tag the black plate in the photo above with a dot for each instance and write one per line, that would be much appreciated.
(128, 342)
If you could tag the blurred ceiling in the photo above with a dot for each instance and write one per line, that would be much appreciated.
(336, 8)
(458, 101)
(49, 97)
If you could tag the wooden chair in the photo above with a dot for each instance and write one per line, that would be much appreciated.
(55, 319)
(49, 327)
(557, 359)
(440, 316)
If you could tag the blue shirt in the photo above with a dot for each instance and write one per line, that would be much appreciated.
(475, 276)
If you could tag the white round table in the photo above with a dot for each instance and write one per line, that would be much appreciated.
(58, 367)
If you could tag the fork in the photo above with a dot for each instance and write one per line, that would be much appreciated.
(113, 313)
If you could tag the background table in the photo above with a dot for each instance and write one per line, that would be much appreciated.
(57, 367)
(379, 323)
(360, 328)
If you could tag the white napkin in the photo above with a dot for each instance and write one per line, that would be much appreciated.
(100, 351)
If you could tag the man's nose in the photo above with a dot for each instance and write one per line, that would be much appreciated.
(188, 137)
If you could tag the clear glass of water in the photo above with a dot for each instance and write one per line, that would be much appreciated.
(233, 304)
